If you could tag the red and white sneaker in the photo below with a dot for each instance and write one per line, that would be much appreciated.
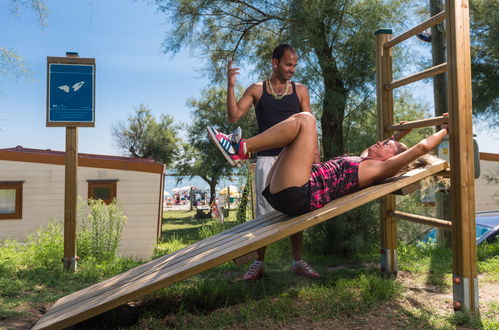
(232, 146)
(303, 268)
(255, 272)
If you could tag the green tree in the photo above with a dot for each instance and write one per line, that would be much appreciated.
(199, 157)
(11, 64)
(485, 59)
(144, 137)
(334, 39)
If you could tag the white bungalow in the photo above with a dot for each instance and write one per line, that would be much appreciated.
(32, 193)
(487, 193)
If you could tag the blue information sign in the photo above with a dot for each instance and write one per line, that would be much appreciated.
(71, 93)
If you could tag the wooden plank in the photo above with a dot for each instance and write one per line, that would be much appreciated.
(430, 72)
(178, 256)
(415, 30)
(461, 155)
(419, 123)
(422, 219)
(270, 229)
(246, 258)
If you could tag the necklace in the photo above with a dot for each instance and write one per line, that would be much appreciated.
(278, 96)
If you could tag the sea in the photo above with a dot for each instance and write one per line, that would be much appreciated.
(198, 183)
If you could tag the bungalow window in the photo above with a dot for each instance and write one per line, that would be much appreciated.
(11, 199)
(102, 189)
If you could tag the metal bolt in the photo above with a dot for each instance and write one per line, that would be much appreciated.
(457, 280)
(457, 305)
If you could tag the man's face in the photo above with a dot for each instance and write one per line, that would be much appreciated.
(285, 67)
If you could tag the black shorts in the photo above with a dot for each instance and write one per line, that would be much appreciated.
(291, 201)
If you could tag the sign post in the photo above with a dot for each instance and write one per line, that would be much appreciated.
(70, 104)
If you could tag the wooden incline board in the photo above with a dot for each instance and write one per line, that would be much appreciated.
(210, 252)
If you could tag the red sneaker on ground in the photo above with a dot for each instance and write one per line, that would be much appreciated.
(303, 268)
(254, 273)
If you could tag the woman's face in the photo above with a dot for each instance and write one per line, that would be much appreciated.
(383, 149)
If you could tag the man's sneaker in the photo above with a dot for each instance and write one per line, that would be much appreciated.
(232, 146)
(255, 272)
(303, 268)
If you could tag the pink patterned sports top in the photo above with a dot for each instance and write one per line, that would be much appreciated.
(332, 179)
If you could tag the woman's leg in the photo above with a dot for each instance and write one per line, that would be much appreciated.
(293, 167)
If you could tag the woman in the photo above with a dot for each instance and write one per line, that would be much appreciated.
(296, 185)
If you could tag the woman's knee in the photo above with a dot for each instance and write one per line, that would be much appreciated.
(305, 118)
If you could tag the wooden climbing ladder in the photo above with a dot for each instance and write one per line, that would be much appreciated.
(458, 68)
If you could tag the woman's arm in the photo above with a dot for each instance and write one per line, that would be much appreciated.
(371, 171)
(392, 165)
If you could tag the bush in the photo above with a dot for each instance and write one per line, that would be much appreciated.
(348, 234)
(100, 231)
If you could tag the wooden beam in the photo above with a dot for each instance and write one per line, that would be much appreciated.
(70, 197)
(422, 219)
(419, 123)
(385, 118)
(465, 283)
(430, 72)
(415, 30)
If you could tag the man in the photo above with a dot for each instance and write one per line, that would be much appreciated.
(275, 100)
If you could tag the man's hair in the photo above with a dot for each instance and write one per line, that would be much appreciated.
(279, 51)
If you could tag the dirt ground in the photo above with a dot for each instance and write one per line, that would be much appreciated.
(418, 303)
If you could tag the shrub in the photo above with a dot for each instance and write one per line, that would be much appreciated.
(100, 230)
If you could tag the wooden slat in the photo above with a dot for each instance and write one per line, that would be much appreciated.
(422, 219)
(231, 244)
(415, 30)
(419, 123)
(430, 72)
(176, 257)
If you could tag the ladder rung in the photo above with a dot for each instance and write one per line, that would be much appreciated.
(415, 30)
(419, 123)
(430, 72)
(421, 219)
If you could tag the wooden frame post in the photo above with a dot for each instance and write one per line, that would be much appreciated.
(70, 196)
(465, 282)
(385, 118)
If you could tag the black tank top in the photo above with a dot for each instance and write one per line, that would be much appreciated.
(270, 111)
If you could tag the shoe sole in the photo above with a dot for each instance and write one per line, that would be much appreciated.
(213, 139)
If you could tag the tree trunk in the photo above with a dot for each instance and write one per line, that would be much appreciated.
(332, 117)
(438, 52)
(335, 96)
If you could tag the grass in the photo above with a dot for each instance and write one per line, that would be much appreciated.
(349, 294)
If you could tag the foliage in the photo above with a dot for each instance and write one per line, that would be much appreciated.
(200, 157)
(144, 137)
(101, 227)
(334, 40)
(244, 201)
(32, 275)
(485, 59)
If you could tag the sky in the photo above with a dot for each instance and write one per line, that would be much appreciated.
(124, 37)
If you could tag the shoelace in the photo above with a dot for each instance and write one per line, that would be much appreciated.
(254, 269)
(305, 266)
